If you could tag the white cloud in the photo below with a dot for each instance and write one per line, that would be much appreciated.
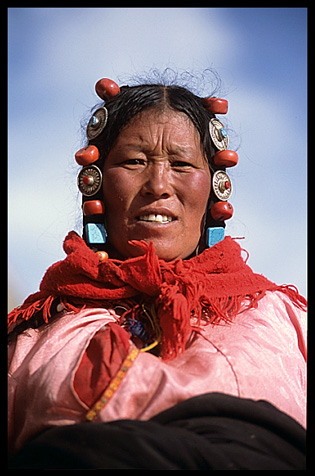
(81, 45)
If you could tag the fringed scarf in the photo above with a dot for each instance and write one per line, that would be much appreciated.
(209, 287)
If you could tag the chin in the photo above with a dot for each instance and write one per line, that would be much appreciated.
(168, 251)
(171, 252)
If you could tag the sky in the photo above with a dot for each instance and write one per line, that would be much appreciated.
(55, 57)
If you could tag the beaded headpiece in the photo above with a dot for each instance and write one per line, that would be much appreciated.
(90, 176)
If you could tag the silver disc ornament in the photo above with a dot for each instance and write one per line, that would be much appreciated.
(90, 180)
(97, 123)
(221, 184)
(218, 134)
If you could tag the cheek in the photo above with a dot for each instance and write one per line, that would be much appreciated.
(197, 193)
(116, 192)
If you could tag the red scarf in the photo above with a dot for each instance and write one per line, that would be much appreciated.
(214, 284)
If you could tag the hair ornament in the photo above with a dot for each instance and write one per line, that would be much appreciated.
(90, 180)
(218, 134)
(216, 105)
(97, 123)
(225, 158)
(87, 155)
(106, 88)
(93, 207)
(221, 185)
(221, 211)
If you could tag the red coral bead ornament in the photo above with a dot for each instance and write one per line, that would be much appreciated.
(102, 255)
(221, 211)
(87, 155)
(88, 180)
(93, 207)
(216, 105)
(225, 158)
(106, 88)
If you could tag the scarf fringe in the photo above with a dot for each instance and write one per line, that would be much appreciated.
(30, 308)
(293, 294)
(173, 308)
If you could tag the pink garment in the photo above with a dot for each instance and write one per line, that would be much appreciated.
(261, 355)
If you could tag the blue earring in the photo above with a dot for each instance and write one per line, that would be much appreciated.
(95, 234)
(214, 235)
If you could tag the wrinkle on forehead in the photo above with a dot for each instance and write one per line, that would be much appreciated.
(156, 131)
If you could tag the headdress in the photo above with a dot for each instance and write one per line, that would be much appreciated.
(90, 176)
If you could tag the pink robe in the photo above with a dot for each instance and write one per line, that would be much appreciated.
(261, 355)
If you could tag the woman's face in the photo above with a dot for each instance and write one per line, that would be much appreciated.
(156, 184)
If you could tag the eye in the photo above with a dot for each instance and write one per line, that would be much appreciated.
(134, 163)
(181, 164)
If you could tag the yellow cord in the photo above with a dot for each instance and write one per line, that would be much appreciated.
(155, 327)
(149, 347)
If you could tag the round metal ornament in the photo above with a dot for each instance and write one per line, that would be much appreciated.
(90, 180)
(97, 123)
(218, 134)
(221, 184)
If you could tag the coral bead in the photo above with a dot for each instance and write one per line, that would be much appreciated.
(106, 88)
(216, 105)
(225, 158)
(93, 207)
(87, 155)
(102, 255)
(221, 211)
(88, 180)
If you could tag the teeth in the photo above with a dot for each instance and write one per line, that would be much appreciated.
(156, 218)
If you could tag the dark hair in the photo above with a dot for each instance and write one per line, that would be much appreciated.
(132, 100)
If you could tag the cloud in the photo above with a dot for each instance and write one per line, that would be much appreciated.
(81, 44)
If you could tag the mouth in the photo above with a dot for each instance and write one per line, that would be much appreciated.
(156, 218)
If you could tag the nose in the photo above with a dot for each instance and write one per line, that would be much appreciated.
(157, 182)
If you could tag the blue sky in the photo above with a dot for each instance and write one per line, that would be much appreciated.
(56, 55)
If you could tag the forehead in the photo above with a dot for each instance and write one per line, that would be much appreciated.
(166, 128)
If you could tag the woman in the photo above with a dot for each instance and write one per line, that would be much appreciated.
(153, 345)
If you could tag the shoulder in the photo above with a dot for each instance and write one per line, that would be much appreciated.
(277, 312)
(66, 329)
(286, 317)
(275, 323)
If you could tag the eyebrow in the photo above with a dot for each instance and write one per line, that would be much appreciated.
(175, 149)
